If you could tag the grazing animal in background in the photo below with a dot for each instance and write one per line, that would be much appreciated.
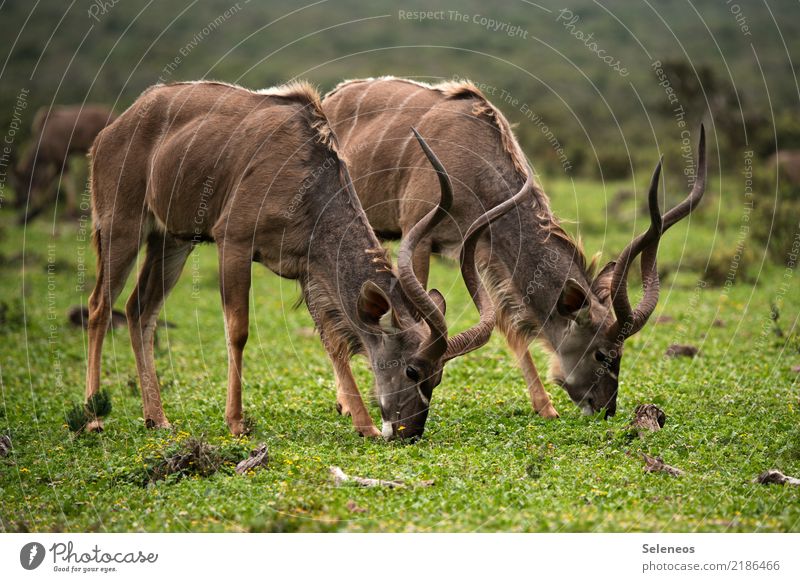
(259, 174)
(788, 162)
(540, 280)
(58, 134)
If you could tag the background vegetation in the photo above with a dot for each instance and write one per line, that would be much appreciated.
(603, 119)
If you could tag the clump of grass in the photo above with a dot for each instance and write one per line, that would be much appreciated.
(191, 457)
(98, 406)
(12, 317)
(76, 418)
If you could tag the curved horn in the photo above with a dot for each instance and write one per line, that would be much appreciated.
(437, 345)
(477, 336)
(629, 320)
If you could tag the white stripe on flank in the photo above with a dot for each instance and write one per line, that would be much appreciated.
(356, 116)
(388, 124)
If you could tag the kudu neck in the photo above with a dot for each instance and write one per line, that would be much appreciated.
(344, 253)
(538, 260)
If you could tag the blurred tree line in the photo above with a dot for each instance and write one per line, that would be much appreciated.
(548, 66)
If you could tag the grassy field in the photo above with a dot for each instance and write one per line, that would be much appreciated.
(731, 413)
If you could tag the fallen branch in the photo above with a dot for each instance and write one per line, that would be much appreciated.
(340, 478)
(259, 457)
(5, 445)
(657, 465)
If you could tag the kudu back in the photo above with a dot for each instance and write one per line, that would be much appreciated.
(258, 173)
(541, 283)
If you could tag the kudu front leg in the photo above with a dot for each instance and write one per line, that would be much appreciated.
(348, 398)
(540, 399)
(234, 267)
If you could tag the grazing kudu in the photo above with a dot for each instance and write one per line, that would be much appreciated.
(540, 281)
(58, 133)
(788, 163)
(258, 173)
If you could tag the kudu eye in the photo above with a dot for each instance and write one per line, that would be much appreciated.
(412, 373)
(601, 357)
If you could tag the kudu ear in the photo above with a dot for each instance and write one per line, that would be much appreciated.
(601, 286)
(438, 299)
(573, 299)
(373, 305)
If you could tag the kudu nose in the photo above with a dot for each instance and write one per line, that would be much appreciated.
(611, 408)
(398, 431)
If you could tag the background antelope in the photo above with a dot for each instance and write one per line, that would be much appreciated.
(540, 280)
(258, 173)
(58, 134)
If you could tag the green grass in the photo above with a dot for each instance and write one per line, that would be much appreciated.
(731, 413)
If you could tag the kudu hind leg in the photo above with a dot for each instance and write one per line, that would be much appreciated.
(114, 263)
(234, 266)
(162, 267)
(540, 400)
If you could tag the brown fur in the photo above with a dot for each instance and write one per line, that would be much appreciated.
(541, 282)
(258, 173)
(480, 152)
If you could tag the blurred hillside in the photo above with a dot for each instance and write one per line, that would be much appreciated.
(589, 80)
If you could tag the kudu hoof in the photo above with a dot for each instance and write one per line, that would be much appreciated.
(150, 423)
(239, 428)
(341, 409)
(94, 425)
(548, 412)
(369, 432)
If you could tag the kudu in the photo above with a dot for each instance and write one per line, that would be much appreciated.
(58, 134)
(540, 281)
(259, 174)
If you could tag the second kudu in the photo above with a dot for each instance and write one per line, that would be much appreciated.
(259, 174)
(59, 133)
(540, 280)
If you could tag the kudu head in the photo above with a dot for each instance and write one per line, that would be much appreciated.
(600, 318)
(405, 386)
